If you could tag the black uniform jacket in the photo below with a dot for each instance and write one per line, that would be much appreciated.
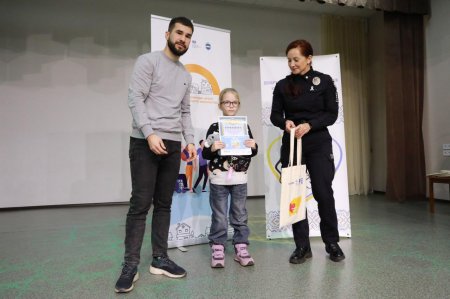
(316, 103)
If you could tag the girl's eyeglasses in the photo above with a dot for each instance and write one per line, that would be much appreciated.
(228, 103)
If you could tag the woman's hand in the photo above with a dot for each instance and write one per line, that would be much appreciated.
(301, 130)
(289, 125)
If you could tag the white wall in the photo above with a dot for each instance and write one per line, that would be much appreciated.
(64, 70)
(436, 126)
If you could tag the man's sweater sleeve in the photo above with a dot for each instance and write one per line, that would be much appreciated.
(186, 121)
(138, 91)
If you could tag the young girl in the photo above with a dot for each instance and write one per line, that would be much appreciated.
(228, 177)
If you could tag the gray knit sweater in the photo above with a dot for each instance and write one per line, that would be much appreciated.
(158, 97)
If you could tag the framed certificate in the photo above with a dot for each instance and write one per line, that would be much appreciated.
(233, 131)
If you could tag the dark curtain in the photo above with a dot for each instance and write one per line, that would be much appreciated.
(404, 58)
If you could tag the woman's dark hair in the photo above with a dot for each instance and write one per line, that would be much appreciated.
(303, 45)
(306, 50)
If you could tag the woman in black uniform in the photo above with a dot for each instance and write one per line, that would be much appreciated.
(306, 101)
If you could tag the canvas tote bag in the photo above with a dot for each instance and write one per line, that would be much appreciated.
(293, 187)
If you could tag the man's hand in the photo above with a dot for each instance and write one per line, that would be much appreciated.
(156, 144)
(192, 152)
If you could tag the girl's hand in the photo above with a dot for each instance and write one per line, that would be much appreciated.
(217, 145)
(250, 143)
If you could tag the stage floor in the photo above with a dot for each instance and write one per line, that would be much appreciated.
(397, 250)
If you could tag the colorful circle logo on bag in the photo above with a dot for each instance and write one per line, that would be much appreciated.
(294, 204)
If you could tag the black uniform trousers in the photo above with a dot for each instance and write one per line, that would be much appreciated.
(317, 154)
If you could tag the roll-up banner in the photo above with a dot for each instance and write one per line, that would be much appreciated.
(272, 70)
(209, 62)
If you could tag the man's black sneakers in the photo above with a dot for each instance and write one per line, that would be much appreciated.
(127, 278)
(162, 265)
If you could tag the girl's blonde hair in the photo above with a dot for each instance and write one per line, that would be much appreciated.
(225, 90)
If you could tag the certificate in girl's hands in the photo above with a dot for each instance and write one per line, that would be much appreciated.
(233, 132)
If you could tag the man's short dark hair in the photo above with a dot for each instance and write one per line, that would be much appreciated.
(182, 20)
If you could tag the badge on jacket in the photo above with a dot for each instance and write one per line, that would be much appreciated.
(316, 81)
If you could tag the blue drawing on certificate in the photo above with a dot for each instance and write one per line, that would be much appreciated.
(233, 131)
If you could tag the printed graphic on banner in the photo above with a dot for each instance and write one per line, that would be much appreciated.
(209, 62)
(204, 87)
(272, 70)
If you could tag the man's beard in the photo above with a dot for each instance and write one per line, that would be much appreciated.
(174, 49)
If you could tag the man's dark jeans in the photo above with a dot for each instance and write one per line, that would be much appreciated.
(153, 179)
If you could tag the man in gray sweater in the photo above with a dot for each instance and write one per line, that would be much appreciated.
(158, 97)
